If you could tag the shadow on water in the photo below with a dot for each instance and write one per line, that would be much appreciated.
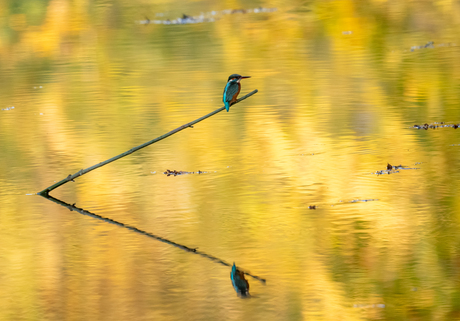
(241, 273)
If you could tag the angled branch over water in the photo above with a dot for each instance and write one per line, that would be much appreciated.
(134, 149)
(139, 231)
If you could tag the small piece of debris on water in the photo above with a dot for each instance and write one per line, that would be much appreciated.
(367, 200)
(436, 125)
(429, 44)
(359, 200)
(176, 173)
(391, 169)
(367, 306)
(203, 17)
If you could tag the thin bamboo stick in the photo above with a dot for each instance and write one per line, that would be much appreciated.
(134, 149)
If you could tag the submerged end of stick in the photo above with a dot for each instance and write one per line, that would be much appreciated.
(44, 193)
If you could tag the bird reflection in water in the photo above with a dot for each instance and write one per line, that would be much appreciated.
(240, 284)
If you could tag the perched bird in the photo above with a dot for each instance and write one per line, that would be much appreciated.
(240, 284)
(232, 89)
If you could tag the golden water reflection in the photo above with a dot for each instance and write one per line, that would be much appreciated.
(341, 83)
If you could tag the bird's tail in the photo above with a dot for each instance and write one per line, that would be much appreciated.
(227, 106)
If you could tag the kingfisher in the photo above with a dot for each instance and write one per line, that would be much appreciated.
(240, 284)
(232, 89)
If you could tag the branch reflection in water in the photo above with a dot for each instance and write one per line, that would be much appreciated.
(73, 208)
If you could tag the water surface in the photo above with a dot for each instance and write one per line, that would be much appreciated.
(341, 85)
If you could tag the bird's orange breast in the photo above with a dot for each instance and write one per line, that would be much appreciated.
(235, 96)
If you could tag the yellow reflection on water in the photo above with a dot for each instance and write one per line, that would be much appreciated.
(340, 86)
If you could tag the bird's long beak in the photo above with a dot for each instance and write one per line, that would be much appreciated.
(243, 77)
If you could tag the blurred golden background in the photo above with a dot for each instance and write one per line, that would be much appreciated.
(341, 84)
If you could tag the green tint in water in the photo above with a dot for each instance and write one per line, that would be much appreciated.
(340, 84)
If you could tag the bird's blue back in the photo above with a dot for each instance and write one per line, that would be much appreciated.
(240, 284)
(230, 89)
